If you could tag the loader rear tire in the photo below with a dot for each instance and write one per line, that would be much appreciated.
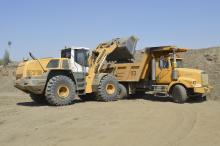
(60, 91)
(122, 92)
(39, 98)
(179, 94)
(108, 89)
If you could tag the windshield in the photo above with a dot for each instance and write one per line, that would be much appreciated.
(179, 63)
(66, 53)
(81, 57)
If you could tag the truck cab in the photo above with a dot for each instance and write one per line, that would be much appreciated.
(194, 80)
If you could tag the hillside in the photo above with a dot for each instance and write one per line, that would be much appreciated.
(208, 60)
(7, 78)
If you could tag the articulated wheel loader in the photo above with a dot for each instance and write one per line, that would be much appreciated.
(58, 81)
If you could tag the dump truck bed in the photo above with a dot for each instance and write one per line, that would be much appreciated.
(135, 71)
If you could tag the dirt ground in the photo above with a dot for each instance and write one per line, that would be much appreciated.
(125, 122)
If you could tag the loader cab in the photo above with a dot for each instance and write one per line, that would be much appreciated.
(78, 58)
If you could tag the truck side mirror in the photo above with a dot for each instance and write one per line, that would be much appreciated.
(161, 63)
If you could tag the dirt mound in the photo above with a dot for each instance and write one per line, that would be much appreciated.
(7, 78)
(208, 60)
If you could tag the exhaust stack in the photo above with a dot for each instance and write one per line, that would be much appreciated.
(153, 69)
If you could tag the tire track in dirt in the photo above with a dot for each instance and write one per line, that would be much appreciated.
(126, 122)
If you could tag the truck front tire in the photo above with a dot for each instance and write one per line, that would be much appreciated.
(179, 94)
(108, 89)
(60, 91)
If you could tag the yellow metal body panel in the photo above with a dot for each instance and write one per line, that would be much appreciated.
(133, 72)
(35, 67)
(128, 72)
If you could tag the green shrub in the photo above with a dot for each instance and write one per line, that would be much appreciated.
(1, 62)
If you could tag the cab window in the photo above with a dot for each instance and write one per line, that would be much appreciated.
(66, 53)
(54, 63)
(179, 63)
(81, 57)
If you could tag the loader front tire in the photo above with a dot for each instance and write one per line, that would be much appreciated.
(179, 94)
(60, 91)
(108, 89)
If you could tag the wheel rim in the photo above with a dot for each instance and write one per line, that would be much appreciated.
(110, 89)
(63, 91)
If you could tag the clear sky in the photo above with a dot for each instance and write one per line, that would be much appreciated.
(45, 26)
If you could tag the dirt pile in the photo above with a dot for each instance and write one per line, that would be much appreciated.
(7, 78)
(208, 60)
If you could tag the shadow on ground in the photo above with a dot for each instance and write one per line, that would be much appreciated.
(30, 103)
(35, 104)
(145, 97)
(165, 99)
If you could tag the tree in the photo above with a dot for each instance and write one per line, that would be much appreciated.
(1, 62)
(6, 58)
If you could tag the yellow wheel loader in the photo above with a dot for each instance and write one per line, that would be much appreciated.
(58, 81)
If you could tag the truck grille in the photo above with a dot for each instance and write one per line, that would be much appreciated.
(205, 79)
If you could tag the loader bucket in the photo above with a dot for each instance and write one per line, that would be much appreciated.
(124, 51)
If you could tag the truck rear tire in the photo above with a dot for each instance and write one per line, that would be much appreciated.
(108, 89)
(60, 91)
(122, 92)
(39, 98)
(179, 94)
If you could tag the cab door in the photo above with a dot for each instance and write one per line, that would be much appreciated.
(163, 71)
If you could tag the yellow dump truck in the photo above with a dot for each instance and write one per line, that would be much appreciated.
(113, 70)
(160, 71)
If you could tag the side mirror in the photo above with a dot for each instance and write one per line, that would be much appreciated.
(161, 63)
